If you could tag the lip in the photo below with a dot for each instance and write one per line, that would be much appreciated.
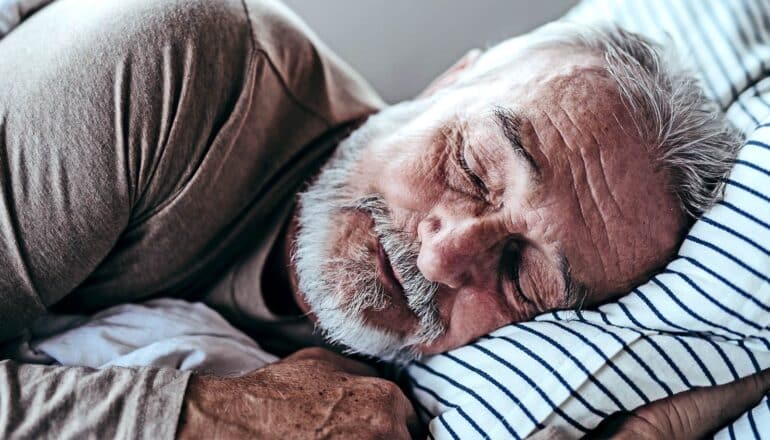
(387, 273)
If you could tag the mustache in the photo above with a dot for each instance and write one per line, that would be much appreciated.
(402, 250)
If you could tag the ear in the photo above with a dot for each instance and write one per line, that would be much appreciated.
(452, 74)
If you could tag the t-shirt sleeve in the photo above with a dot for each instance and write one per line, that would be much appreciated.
(39, 401)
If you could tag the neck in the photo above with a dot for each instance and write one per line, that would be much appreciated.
(279, 279)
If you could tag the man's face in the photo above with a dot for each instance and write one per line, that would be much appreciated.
(485, 204)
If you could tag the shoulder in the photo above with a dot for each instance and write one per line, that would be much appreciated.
(310, 71)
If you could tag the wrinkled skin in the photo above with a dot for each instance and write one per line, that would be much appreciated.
(597, 199)
(312, 394)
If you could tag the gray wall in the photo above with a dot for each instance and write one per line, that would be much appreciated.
(400, 45)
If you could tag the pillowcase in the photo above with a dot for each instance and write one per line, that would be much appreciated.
(701, 322)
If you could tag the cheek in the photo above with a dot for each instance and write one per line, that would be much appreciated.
(469, 315)
(352, 231)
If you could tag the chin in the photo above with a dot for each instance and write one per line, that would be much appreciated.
(338, 256)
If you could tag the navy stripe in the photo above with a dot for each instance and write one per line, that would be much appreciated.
(448, 404)
(631, 352)
(644, 7)
(754, 364)
(653, 344)
(678, 338)
(724, 280)
(747, 189)
(724, 357)
(697, 359)
(736, 233)
(480, 399)
(752, 424)
(752, 166)
(500, 386)
(673, 365)
(687, 347)
(715, 57)
(657, 313)
(711, 299)
(534, 386)
(559, 377)
(692, 313)
(635, 321)
(745, 214)
(724, 308)
(728, 255)
(579, 364)
(683, 330)
(425, 414)
(759, 36)
(749, 79)
(767, 402)
(449, 429)
(758, 143)
(756, 369)
(760, 20)
(609, 361)
(747, 43)
(751, 356)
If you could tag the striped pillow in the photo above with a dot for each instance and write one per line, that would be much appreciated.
(702, 321)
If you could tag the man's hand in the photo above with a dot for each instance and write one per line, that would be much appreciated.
(690, 415)
(311, 394)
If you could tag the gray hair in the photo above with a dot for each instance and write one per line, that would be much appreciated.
(684, 129)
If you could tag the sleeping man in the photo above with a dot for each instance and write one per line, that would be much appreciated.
(218, 151)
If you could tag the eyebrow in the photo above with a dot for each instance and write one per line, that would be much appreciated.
(510, 123)
(575, 292)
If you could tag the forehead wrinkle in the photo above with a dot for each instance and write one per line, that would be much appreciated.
(605, 131)
(574, 193)
(596, 236)
(589, 177)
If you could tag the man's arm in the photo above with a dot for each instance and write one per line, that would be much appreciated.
(311, 394)
(693, 414)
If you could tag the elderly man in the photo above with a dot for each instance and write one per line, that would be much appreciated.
(217, 150)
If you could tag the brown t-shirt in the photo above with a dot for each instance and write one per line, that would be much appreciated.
(143, 146)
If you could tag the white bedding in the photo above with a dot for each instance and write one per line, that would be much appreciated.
(167, 333)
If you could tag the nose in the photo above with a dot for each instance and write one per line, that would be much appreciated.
(451, 249)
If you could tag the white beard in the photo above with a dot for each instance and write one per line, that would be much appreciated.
(323, 278)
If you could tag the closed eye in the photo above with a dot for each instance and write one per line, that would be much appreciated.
(510, 269)
(477, 181)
